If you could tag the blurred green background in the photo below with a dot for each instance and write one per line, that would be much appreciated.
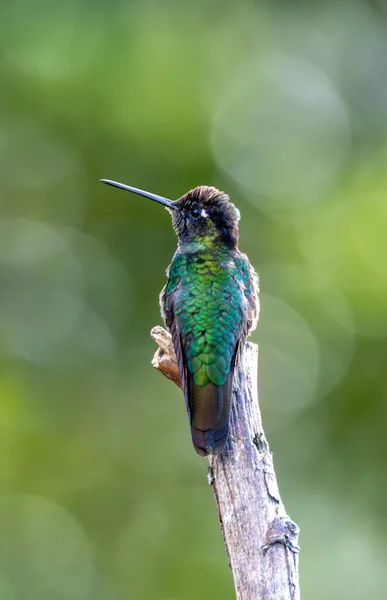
(284, 106)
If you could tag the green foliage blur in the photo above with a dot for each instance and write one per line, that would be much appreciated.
(284, 106)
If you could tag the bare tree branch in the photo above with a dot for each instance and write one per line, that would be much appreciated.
(261, 540)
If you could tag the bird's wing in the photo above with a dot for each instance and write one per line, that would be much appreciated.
(250, 284)
(167, 300)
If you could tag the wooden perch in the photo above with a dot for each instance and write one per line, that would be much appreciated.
(260, 539)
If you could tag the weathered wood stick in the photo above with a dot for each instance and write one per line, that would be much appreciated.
(261, 540)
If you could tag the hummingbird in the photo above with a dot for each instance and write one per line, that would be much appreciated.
(209, 304)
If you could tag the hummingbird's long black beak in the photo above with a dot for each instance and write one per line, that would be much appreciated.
(149, 195)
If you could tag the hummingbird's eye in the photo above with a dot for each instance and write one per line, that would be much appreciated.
(195, 212)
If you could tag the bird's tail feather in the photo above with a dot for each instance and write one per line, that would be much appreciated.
(209, 407)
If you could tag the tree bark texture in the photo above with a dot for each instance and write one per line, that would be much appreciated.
(261, 540)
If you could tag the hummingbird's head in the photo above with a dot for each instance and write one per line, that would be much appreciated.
(203, 215)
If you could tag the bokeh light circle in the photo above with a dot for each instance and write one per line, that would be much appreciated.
(45, 552)
(289, 358)
(63, 293)
(281, 132)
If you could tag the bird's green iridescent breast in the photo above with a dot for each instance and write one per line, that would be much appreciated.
(209, 307)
